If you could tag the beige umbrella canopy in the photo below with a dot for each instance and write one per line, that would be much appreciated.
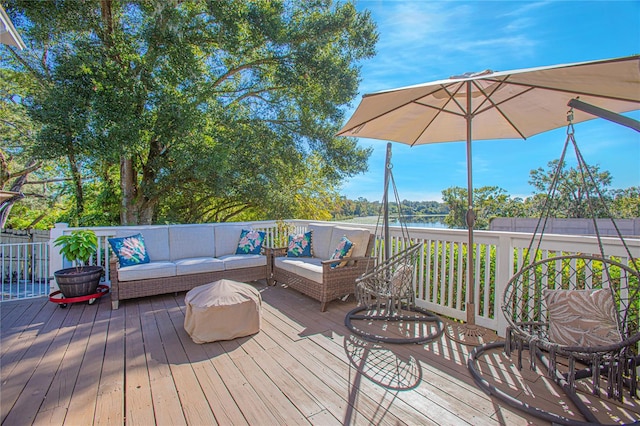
(494, 105)
(8, 33)
(7, 195)
(503, 105)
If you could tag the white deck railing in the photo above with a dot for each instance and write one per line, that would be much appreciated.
(441, 274)
(24, 270)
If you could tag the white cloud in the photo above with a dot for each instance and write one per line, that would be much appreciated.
(426, 41)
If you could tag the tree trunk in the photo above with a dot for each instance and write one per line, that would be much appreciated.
(17, 185)
(146, 212)
(77, 183)
(128, 186)
(4, 169)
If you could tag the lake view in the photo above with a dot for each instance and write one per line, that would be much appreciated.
(430, 221)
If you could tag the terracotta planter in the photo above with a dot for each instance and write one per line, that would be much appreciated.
(74, 284)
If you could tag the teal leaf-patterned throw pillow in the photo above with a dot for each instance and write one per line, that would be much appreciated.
(299, 245)
(344, 249)
(130, 250)
(250, 242)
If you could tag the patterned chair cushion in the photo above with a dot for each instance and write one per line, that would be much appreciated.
(344, 249)
(582, 317)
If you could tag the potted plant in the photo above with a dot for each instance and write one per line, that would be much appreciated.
(82, 279)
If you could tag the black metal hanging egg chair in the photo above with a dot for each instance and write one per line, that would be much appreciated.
(576, 315)
(386, 293)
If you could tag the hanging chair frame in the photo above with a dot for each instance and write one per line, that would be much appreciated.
(386, 291)
(526, 311)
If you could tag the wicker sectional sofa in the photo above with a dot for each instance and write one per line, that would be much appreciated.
(317, 276)
(183, 257)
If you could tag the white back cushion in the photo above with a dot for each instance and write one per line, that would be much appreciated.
(156, 240)
(358, 236)
(321, 240)
(227, 237)
(187, 241)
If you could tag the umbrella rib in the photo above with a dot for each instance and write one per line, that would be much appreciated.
(575, 92)
(496, 106)
(486, 97)
(440, 110)
(411, 101)
(452, 96)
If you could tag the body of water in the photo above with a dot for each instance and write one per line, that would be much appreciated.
(431, 221)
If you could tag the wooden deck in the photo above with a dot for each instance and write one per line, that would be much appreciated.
(88, 365)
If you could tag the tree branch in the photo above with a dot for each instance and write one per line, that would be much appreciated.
(45, 181)
(243, 67)
(256, 94)
(25, 171)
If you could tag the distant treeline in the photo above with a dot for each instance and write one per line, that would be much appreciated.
(361, 207)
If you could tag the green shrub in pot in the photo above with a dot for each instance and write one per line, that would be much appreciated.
(78, 247)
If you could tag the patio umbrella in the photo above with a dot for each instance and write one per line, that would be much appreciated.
(8, 33)
(494, 105)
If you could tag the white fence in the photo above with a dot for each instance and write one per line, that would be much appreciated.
(24, 270)
(441, 282)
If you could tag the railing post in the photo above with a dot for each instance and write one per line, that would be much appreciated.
(56, 260)
(504, 266)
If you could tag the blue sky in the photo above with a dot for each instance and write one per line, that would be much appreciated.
(422, 41)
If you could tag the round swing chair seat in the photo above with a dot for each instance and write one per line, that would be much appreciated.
(578, 318)
(386, 311)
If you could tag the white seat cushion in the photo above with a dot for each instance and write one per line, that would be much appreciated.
(237, 261)
(307, 267)
(147, 270)
(197, 265)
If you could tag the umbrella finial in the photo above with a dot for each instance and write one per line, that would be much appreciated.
(471, 74)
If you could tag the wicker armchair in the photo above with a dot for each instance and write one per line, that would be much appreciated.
(336, 282)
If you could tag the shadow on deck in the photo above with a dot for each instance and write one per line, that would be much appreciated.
(88, 364)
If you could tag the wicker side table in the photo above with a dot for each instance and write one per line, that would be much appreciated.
(272, 253)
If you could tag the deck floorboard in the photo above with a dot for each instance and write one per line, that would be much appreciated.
(88, 364)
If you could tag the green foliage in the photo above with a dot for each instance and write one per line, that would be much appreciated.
(626, 202)
(282, 232)
(212, 110)
(573, 192)
(348, 209)
(38, 180)
(78, 246)
(573, 199)
(456, 198)
(488, 202)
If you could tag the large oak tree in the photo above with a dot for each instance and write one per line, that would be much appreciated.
(196, 110)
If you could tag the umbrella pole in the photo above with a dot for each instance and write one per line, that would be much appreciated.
(470, 219)
(385, 201)
(469, 329)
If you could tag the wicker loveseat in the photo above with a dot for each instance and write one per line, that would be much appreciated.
(183, 257)
(317, 276)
